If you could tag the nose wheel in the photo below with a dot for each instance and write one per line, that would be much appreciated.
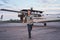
(45, 24)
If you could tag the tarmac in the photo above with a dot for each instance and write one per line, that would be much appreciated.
(18, 31)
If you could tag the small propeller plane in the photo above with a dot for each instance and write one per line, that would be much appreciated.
(22, 12)
(37, 15)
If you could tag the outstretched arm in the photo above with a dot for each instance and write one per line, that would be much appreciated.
(24, 20)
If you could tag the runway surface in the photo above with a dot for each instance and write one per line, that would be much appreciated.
(18, 31)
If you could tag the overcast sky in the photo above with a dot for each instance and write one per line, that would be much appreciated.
(45, 5)
(36, 4)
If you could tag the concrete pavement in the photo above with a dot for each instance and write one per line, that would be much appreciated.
(50, 32)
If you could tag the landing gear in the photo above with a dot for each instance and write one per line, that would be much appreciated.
(45, 24)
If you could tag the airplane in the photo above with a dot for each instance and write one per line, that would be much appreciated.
(37, 16)
(22, 13)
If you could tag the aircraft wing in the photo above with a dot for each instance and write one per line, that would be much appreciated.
(25, 10)
(42, 20)
(9, 10)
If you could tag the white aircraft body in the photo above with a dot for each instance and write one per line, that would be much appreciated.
(45, 19)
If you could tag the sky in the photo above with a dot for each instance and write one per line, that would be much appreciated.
(48, 6)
